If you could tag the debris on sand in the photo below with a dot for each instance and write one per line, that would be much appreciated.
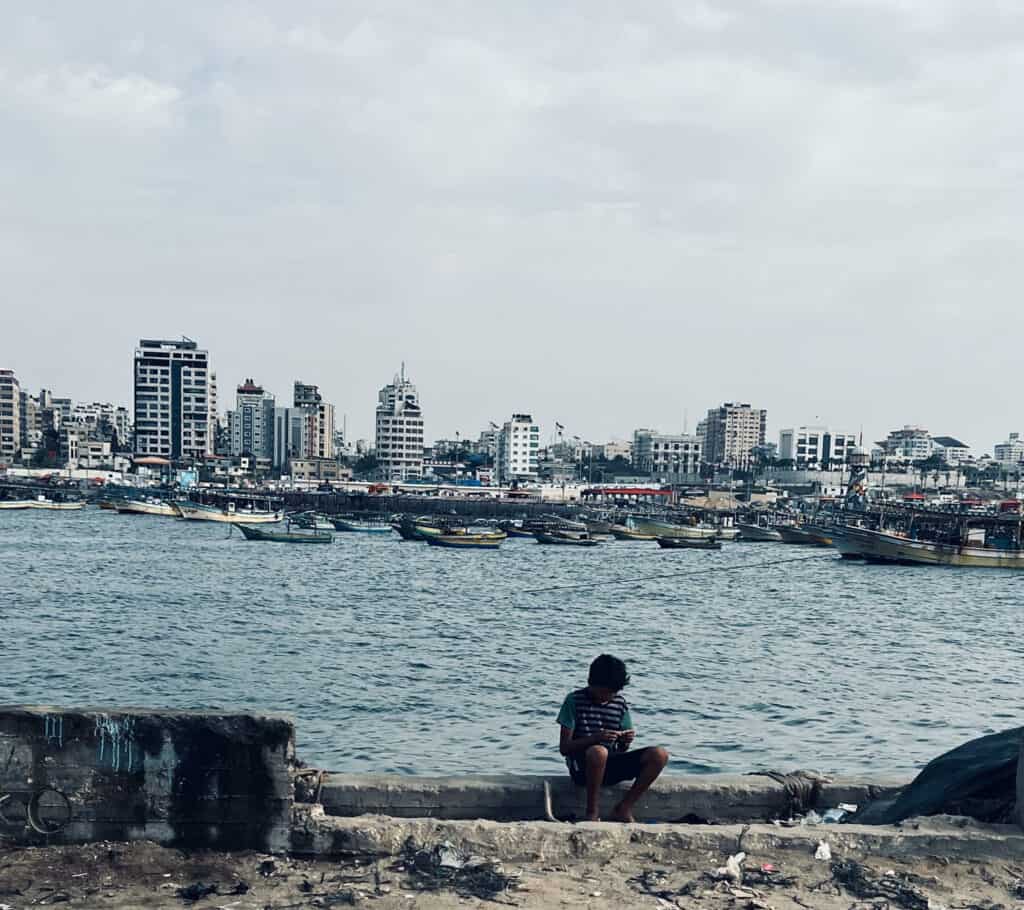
(445, 866)
(860, 882)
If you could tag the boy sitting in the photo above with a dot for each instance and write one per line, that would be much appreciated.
(596, 734)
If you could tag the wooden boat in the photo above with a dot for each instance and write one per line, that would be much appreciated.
(566, 538)
(109, 504)
(356, 526)
(466, 541)
(148, 506)
(658, 528)
(890, 547)
(689, 543)
(758, 532)
(513, 531)
(312, 521)
(229, 514)
(621, 532)
(68, 505)
(803, 534)
(301, 535)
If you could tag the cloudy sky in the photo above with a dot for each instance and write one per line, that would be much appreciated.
(607, 214)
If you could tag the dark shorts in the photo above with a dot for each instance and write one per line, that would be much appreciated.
(621, 766)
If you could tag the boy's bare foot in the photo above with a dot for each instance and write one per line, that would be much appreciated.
(619, 814)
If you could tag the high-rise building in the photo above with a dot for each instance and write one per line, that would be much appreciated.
(31, 424)
(732, 432)
(10, 416)
(815, 447)
(251, 423)
(400, 430)
(518, 444)
(320, 417)
(291, 430)
(175, 407)
(672, 456)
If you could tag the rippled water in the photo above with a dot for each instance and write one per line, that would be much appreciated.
(401, 657)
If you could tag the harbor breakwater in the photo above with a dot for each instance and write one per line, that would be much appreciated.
(233, 781)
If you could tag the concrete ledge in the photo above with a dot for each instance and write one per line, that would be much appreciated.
(314, 833)
(181, 778)
(674, 798)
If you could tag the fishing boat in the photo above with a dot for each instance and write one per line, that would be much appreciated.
(15, 503)
(466, 541)
(750, 531)
(108, 504)
(288, 535)
(658, 528)
(229, 513)
(971, 549)
(731, 533)
(312, 521)
(689, 543)
(622, 532)
(520, 532)
(56, 505)
(357, 526)
(806, 535)
(566, 538)
(147, 506)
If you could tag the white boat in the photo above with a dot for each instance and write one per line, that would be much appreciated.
(15, 503)
(727, 533)
(148, 506)
(230, 514)
(41, 502)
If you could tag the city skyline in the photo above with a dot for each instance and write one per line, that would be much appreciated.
(601, 217)
(361, 426)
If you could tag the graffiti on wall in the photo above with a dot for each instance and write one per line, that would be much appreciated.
(53, 729)
(117, 746)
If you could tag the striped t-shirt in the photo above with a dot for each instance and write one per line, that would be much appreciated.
(585, 717)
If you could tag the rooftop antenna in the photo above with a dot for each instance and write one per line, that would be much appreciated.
(686, 421)
(403, 371)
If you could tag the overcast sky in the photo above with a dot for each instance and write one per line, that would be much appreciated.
(604, 214)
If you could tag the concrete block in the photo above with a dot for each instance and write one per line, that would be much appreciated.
(181, 778)
(712, 798)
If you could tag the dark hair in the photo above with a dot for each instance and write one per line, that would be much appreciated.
(608, 672)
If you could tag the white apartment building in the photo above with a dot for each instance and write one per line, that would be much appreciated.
(251, 423)
(518, 443)
(1011, 451)
(908, 444)
(10, 416)
(731, 433)
(666, 455)
(816, 447)
(399, 440)
(952, 450)
(174, 399)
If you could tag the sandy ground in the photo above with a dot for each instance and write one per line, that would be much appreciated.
(143, 875)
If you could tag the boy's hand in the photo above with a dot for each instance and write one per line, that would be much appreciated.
(626, 738)
(608, 736)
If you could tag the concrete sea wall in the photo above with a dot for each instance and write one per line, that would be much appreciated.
(180, 778)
